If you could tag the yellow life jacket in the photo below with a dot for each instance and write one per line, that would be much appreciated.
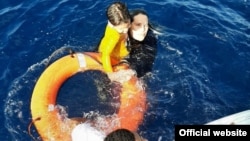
(113, 45)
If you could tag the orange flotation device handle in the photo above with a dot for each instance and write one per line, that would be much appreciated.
(51, 125)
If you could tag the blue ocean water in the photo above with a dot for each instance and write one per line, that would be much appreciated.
(201, 71)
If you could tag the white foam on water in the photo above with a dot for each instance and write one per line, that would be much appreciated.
(121, 75)
(85, 132)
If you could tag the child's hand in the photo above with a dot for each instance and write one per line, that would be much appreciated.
(121, 76)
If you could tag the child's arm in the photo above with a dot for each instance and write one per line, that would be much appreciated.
(107, 46)
(106, 61)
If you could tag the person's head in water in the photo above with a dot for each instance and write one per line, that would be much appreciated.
(139, 24)
(123, 135)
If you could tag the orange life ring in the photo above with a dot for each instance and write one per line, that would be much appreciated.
(46, 116)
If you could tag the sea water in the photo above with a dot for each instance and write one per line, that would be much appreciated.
(201, 71)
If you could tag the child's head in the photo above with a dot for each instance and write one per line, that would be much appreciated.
(118, 15)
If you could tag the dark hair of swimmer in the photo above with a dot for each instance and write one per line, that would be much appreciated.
(136, 12)
(120, 135)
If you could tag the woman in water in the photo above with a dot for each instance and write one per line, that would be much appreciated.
(142, 43)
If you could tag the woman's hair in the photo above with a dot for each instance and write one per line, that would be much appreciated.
(120, 135)
(118, 13)
(136, 12)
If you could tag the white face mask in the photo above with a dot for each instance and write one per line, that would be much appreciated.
(139, 34)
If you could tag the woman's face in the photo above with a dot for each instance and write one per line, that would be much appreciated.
(139, 27)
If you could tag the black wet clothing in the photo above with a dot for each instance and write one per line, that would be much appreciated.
(142, 54)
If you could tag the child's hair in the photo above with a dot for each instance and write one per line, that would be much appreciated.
(118, 13)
